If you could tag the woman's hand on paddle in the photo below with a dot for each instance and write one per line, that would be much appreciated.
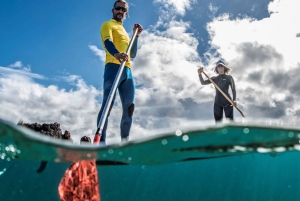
(139, 27)
(121, 56)
(234, 102)
(200, 70)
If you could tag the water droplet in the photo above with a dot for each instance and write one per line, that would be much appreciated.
(178, 132)
(89, 155)
(110, 151)
(12, 148)
(224, 131)
(104, 155)
(185, 138)
(129, 158)
(246, 130)
(280, 149)
(164, 142)
(239, 148)
(263, 150)
(120, 153)
(291, 134)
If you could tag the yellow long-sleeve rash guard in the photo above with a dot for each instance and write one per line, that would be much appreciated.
(115, 31)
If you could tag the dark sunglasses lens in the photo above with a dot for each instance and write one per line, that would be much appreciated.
(121, 8)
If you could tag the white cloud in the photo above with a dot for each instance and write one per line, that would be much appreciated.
(261, 53)
(213, 8)
(177, 6)
(22, 98)
(17, 64)
(18, 68)
(278, 31)
(278, 97)
(253, 7)
(98, 52)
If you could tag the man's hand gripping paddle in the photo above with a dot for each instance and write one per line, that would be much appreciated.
(111, 93)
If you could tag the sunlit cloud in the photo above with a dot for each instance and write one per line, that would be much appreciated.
(18, 68)
(213, 8)
(262, 54)
(100, 53)
(23, 98)
(177, 6)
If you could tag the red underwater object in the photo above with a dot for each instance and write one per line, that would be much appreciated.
(80, 182)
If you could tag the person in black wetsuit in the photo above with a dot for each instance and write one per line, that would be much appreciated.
(223, 81)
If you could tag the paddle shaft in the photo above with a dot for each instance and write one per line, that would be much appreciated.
(220, 90)
(114, 88)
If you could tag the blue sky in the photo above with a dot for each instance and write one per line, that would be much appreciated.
(51, 61)
(53, 38)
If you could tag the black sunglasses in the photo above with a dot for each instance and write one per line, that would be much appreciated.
(120, 8)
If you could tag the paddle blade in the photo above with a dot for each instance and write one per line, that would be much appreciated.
(80, 182)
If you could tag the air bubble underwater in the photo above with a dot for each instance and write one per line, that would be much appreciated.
(164, 142)
(8, 152)
(291, 134)
(246, 130)
(185, 138)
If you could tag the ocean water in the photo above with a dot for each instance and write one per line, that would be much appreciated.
(258, 176)
(246, 174)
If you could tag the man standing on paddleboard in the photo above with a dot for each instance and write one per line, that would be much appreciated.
(115, 41)
(223, 81)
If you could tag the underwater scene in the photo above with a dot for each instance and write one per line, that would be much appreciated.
(223, 162)
(244, 177)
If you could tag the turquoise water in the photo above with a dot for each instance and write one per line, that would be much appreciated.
(245, 177)
(242, 176)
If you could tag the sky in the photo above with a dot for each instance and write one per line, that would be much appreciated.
(52, 62)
